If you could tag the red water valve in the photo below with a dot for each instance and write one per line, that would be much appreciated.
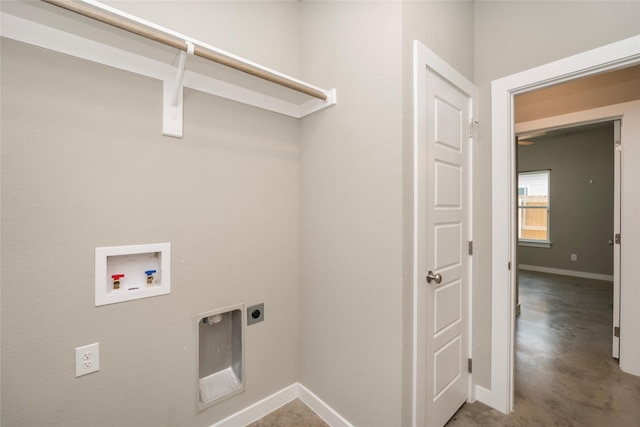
(116, 280)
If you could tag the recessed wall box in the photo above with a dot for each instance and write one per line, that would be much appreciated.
(220, 354)
(125, 273)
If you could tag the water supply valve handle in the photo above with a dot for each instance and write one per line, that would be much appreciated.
(150, 274)
(116, 280)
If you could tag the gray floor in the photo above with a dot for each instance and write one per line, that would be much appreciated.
(565, 375)
(293, 414)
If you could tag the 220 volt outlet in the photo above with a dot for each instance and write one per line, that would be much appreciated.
(87, 359)
(255, 314)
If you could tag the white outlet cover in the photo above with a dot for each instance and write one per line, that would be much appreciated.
(87, 359)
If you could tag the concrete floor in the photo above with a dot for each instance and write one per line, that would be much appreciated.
(565, 375)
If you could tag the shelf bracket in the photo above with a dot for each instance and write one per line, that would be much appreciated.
(172, 96)
(26, 23)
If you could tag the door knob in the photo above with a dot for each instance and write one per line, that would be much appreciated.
(435, 277)
(610, 242)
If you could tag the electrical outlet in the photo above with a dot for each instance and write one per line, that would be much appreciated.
(255, 314)
(574, 257)
(87, 359)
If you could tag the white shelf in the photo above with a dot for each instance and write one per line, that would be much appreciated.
(53, 28)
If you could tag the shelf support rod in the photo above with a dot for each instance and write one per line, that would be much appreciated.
(201, 51)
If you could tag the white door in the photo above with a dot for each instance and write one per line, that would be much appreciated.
(615, 239)
(442, 251)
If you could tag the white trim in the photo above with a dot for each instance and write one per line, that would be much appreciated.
(562, 272)
(324, 411)
(277, 400)
(613, 56)
(49, 37)
(424, 58)
(261, 408)
(534, 244)
(617, 223)
(483, 394)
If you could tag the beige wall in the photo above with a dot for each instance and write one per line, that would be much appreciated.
(311, 217)
(351, 211)
(511, 37)
(84, 165)
(356, 290)
(265, 32)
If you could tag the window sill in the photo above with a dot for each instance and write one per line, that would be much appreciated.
(533, 244)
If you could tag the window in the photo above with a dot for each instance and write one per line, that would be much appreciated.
(533, 208)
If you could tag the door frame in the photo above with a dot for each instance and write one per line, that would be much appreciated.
(607, 58)
(423, 59)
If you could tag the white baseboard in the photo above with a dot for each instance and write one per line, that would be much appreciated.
(261, 408)
(324, 411)
(487, 397)
(562, 272)
(277, 400)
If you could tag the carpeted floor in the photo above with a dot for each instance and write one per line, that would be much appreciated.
(293, 414)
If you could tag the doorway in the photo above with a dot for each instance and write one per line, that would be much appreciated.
(615, 56)
(565, 258)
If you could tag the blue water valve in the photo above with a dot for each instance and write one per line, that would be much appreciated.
(150, 274)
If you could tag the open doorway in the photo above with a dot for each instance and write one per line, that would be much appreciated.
(615, 56)
(565, 258)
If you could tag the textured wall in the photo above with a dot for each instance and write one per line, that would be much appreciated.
(84, 165)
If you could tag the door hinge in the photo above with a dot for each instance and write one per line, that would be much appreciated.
(509, 265)
(471, 248)
(472, 125)
(616, 331)
(617, 138)
(470, 366)
(618, 239)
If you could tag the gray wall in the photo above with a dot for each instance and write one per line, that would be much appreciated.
(512, 37)
(581, 212)
(84, 165)
(351, 211)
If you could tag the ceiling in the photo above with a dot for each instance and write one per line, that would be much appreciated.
(532, 137)
(614, 87)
